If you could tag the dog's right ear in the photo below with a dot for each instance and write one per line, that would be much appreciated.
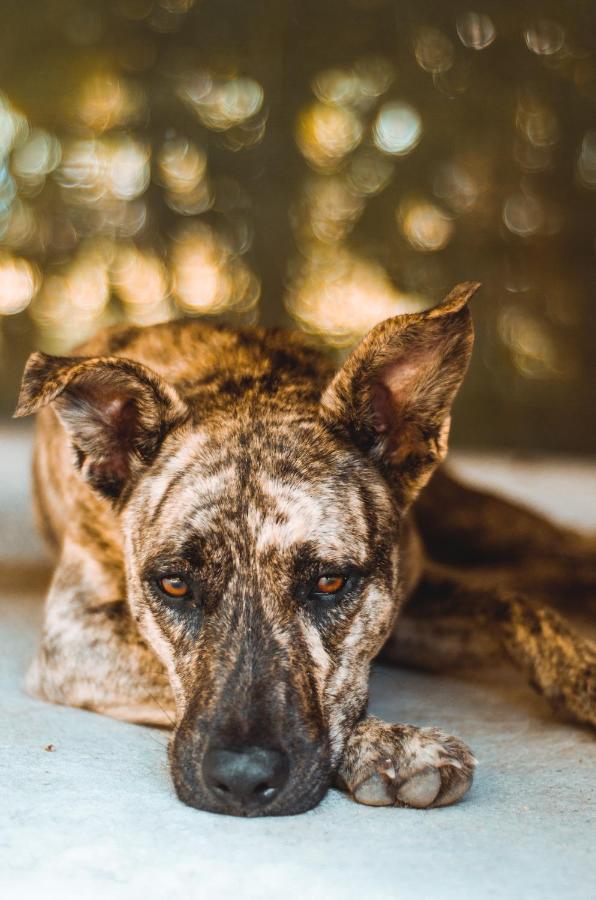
(116, 412)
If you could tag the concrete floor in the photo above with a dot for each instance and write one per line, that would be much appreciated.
(96, 817)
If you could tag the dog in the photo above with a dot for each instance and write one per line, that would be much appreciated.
(236, 527)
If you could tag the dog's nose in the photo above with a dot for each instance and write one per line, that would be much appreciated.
(252, 776)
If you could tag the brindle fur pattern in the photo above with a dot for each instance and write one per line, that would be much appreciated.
(238, 459)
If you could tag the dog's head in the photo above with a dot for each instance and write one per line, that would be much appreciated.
(261, 520)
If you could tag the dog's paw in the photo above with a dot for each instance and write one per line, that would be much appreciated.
(400, 765)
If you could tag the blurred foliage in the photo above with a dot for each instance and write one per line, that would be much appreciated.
(326, 164)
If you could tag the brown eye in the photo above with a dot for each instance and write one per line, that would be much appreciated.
(174, 586)
(330, 584)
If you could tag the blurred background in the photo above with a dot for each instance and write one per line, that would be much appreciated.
(320, 164)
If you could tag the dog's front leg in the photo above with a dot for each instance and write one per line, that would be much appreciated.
(91, 654)
(401, 765)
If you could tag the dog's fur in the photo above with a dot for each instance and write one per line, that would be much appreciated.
(239, 460)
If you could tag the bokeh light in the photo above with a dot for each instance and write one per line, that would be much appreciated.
(162, 158)
(20, 228)
(106, 101)
(328, 211)
(397, 128)
(36, 157)
(369, 172)
(182, 168)
(534, 352)
(325, 134)
(536, 121)
(523, 214)
(13, 126)
(127, 168)
(358, 86)
(544, 37)
(457, 186)
(140, 280)
(476, 30)
(586, 164)
(208, 278)
(433, 50)
(425, 226)
(221, 103)
(182, 165)
(18, 284)
(339, 297)
(117, 165)
(73, 301)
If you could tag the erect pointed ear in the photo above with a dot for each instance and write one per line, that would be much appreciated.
(393, 395)
(116, 412)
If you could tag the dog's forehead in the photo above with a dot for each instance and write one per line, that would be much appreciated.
(327, 512)
(274, 493)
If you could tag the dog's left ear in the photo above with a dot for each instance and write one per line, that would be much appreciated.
(115, 411)
(393, 395)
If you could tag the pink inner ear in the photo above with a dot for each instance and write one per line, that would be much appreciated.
(112, 409)
(119, 414)
(402, 376)
(106, 422)
(383, 414)
(397, 386)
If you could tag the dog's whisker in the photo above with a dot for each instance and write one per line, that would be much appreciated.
(152, 737)
(163, 709)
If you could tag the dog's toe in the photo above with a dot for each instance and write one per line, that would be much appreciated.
(375, 791)
(454, 784)
(421, 789)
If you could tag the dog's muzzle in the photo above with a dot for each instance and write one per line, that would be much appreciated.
(251, 756)
(253, 740)
(249, 780)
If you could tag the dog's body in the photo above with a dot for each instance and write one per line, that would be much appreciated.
(234, 537)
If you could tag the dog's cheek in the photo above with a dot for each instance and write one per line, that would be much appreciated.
(345, 700)
(320, 659)
(346, 688)
(153, 632)
(379, 617)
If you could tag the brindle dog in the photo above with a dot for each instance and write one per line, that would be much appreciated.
(234, 536)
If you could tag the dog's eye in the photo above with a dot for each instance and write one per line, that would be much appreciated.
(326, 592)
(330, 584)
(174, 586)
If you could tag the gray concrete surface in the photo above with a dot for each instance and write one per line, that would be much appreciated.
(96, 817)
